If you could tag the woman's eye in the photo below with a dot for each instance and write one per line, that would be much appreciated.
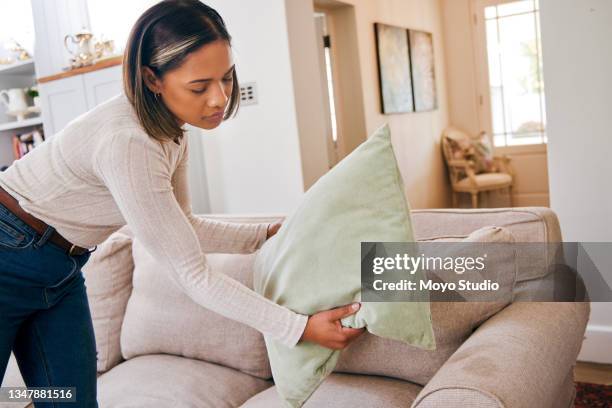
(230, 79)
(198, 91)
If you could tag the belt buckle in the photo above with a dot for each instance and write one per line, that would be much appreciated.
(71, 248)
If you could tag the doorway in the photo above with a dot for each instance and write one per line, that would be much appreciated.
(340, 73)
(327, 83)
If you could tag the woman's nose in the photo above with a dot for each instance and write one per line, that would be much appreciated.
(218, 97)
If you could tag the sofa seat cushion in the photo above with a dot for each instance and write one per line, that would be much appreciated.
(346, 390)
(164, 381)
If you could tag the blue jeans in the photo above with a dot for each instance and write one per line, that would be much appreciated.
(44, 313)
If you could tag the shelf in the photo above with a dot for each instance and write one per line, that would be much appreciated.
(100, 64)
(18, 68)
(21, 124)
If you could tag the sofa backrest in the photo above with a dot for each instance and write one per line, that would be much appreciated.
(527, 224)
(161, 319)
(385, 357)
(453, 322)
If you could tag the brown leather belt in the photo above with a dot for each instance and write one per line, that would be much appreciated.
(38, 225)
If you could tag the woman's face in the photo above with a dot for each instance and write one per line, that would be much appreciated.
(198, 91)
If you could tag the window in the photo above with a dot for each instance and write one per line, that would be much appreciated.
(113, 19)
(515, 81)
(16, 26)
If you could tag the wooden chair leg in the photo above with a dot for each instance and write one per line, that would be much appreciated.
(510, 195)
(474, 200)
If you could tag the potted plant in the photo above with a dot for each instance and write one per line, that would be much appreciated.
(32, 92)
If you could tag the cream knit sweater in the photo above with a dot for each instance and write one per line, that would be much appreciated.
(103, 171)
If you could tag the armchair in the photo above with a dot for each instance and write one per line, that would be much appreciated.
(472, 167)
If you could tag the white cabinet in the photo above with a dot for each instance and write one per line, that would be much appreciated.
(62, 100)
(65, 99)
(102, 85)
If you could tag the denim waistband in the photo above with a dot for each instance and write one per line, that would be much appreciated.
(10, 217)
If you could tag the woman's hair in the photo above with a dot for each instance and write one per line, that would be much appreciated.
(161, 39)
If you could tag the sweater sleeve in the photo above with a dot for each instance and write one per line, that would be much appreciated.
(137, 173)
(215, 236)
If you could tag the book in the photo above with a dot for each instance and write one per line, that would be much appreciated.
(16, 150)
(26, 142)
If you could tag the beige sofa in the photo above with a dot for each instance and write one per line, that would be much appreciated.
(158, 349)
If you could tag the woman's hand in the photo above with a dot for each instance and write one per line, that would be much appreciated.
(325, 328)
(273, 229)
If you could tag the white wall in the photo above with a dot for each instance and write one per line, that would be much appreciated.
(416, 136)
(578, 74)
(253, 161)
(262, 160)
(462, 85)
(308, 90)
(198, 184)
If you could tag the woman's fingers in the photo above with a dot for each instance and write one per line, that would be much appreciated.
(346, 336)
(352, 333)
(343, 311)
(325, 328)
(273, 229)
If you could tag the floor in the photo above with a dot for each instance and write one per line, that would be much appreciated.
(593, 373)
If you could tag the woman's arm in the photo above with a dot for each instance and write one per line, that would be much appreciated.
(215, 236)
(138, 175)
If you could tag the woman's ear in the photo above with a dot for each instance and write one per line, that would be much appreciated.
(151, 80)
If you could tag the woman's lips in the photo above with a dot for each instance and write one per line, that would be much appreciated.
(215, 117)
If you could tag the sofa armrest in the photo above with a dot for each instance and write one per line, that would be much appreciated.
(520, 357)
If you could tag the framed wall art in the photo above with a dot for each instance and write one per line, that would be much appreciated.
(423, 71)
(394, 75)
(406, 70)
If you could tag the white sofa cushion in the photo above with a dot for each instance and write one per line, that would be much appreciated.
(161, 318)
(108, 278)
(345, 390)
(162, 381)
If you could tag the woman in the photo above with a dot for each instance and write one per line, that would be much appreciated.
(125, 162)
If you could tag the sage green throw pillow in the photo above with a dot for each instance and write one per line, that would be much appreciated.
(313, 263)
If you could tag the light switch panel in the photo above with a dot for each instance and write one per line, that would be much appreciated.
(248, 93)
